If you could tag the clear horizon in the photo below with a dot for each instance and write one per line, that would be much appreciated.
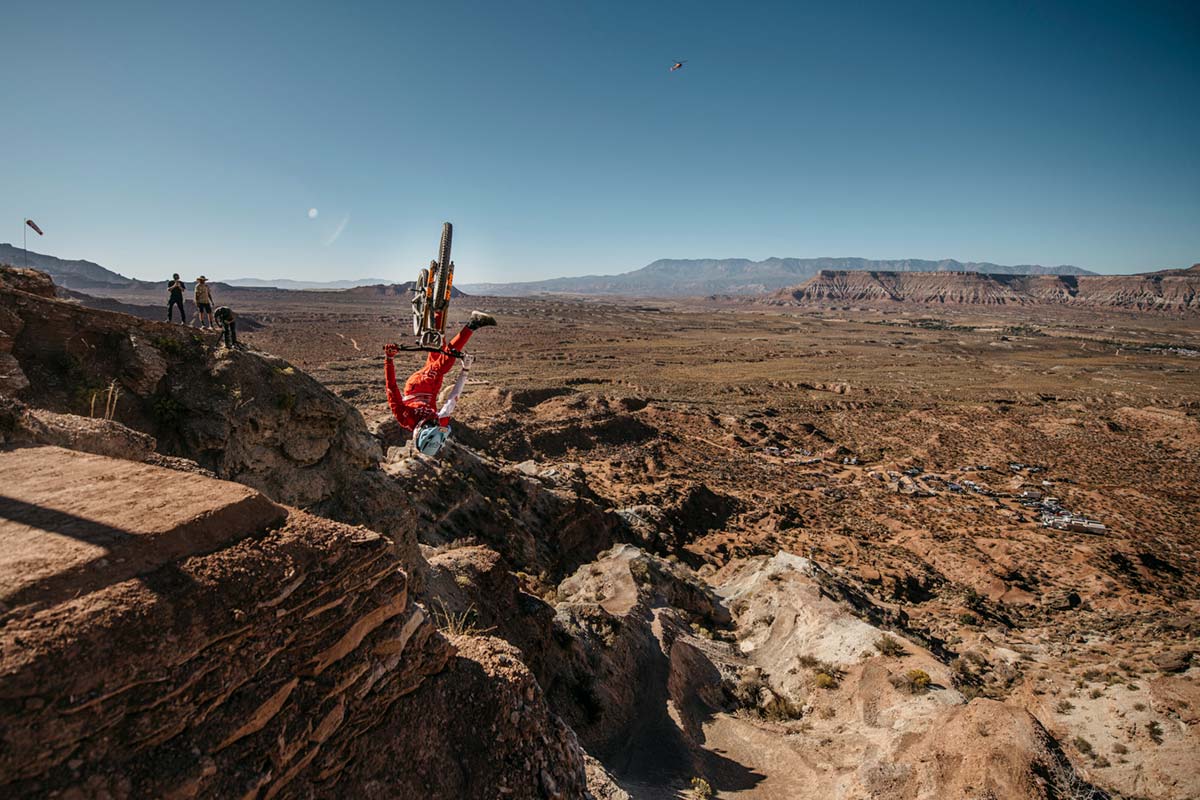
(319, 143)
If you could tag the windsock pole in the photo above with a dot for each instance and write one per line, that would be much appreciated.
(25, 242)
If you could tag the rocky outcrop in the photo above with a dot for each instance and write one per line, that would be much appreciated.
(167, 634)
(540, 525)
(245, 416)
(481, 729)
(22, 425)
(189, 638)
(1171, 291)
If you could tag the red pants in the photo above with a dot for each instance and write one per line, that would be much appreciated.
(419, 400)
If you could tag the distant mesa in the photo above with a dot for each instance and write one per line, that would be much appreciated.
(1176, 290)
(740, 276)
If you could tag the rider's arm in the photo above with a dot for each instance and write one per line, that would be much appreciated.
(394, 397)
(452, 400)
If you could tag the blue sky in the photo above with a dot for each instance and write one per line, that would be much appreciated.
(195, 137)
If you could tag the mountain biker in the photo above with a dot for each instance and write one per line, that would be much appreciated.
(415, 408)
(175, 288)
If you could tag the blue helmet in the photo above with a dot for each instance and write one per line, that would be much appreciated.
(430, 438)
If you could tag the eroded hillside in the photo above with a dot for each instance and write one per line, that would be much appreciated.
(782, 557)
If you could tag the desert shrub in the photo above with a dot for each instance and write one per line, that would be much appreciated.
(167, 410)
(823, 680)
(781, 709)
(640, 570)
(1155, 730)
(1139, 706)
(1083, 745)
(463, 580)
(889, 646)
(1096, 693)
(1066, 784)
(168, 344)
(1120, 749)
(915, 681)
(968, 619)
(701, 789)
(1092, 675)
(749, 689)
(1064, 707)
(1101, 761)
(962, 675)
(462, 623)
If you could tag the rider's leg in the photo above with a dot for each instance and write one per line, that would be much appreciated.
(459, 342)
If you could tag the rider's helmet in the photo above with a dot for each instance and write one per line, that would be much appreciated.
(431, 437)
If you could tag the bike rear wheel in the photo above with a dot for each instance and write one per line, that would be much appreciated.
(441, 287)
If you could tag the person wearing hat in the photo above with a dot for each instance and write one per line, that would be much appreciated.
(204, 309)
(415, 409)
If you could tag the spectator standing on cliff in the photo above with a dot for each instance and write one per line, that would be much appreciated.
(175, 288)
(228, 320)
(204, 309)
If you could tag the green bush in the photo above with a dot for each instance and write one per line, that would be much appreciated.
(168, 344)
(167, 410)
(701, 789)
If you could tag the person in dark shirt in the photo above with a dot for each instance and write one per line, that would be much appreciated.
(175, 287)
(228, 320)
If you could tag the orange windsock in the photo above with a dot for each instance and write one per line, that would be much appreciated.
(33, 225)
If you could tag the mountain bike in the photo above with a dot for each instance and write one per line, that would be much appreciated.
(431, 297)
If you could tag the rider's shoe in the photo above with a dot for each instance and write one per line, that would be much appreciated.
(480, 320)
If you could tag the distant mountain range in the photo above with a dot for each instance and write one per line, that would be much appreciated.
(740, 276)
(1172, 290)
(81, 275)
(287, 283)
(72, 274)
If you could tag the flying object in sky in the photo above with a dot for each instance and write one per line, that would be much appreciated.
(677, 65)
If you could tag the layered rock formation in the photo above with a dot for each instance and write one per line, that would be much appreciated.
(183, 637)
(1171, 291)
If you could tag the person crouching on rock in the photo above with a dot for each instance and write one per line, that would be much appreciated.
(228, 320)
(415, 408)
